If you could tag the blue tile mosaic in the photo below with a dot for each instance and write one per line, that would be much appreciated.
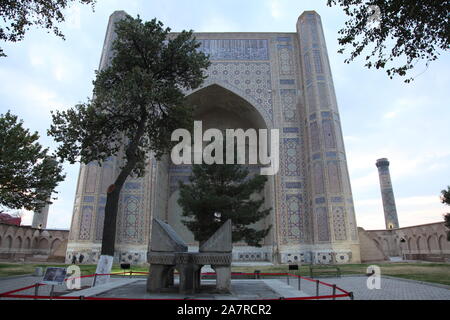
(287, 81)
(235, 49)
(293, 185)
(290, 130)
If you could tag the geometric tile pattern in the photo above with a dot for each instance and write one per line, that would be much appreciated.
(286, 60)
(132, 226)
(85, 225)
(252, 79)
(295, 225)
(291, 163)
(288, 101)
(235, 49)
(100, 219)
(339, 223)
(323, 229)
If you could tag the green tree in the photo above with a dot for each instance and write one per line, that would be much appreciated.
(138, 102)
(28, 174)
(445, 198)
(219, 192)
(395, 31)
(19, 16)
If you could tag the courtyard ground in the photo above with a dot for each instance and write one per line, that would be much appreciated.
(420, 271)
(241, 289)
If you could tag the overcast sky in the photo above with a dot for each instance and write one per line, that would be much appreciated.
(406, 123)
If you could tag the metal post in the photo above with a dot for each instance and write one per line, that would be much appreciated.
(51, 292)
(36, 290)
(288, 278)
(317, 288)
(299, 283)
(95, 280)
(334, 291)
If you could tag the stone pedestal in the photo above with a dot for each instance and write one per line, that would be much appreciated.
(187, 283)
(160, 277)
(223, 275)
(168, 252)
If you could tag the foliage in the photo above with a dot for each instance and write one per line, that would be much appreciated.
(19, 16)
(445, 198)
(406, 32)
(219, 192)
(28, 175)
(138, 101)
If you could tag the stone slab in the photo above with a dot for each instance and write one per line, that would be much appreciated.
(285, 290)
(165, 239)
(220, 241)
(110, 285)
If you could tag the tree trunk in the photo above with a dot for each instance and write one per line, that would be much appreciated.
(105, 262)
(106, 259)
(110, 222)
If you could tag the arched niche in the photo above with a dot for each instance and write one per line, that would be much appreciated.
(43, 244)
(55, 245)
(218, 108)
(8, 242)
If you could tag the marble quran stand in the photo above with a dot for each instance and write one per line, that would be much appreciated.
(169, 252)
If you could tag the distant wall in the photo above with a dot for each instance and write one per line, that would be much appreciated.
(24, 243)
(426, 242)
(370, 248)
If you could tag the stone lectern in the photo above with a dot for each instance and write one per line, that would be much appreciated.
(169, 252)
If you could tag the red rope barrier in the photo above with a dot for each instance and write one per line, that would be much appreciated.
(318, 297)
(21, 289)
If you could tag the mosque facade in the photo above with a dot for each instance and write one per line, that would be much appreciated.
(256, 80)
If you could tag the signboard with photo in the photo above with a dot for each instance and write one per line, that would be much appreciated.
(54, 275)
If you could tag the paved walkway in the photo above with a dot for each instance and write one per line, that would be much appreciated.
(240, 290)
(13, 283)
(390, 289)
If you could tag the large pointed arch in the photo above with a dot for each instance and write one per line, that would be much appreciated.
(221, 106)
(246, 99)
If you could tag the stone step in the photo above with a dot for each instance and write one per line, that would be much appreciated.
(395, 259)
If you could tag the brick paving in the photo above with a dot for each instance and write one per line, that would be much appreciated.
(12, 283)
(391, 288)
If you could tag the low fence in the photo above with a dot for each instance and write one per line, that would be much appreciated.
(257, 275)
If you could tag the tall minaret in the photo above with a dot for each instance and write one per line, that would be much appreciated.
(330, 195)
(40, 218)
(133, 219)
(387, 194)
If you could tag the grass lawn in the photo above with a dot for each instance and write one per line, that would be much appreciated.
(428, 272)
(14, 269)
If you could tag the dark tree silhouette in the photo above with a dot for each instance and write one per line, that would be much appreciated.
(21, 15)
(397, 34)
